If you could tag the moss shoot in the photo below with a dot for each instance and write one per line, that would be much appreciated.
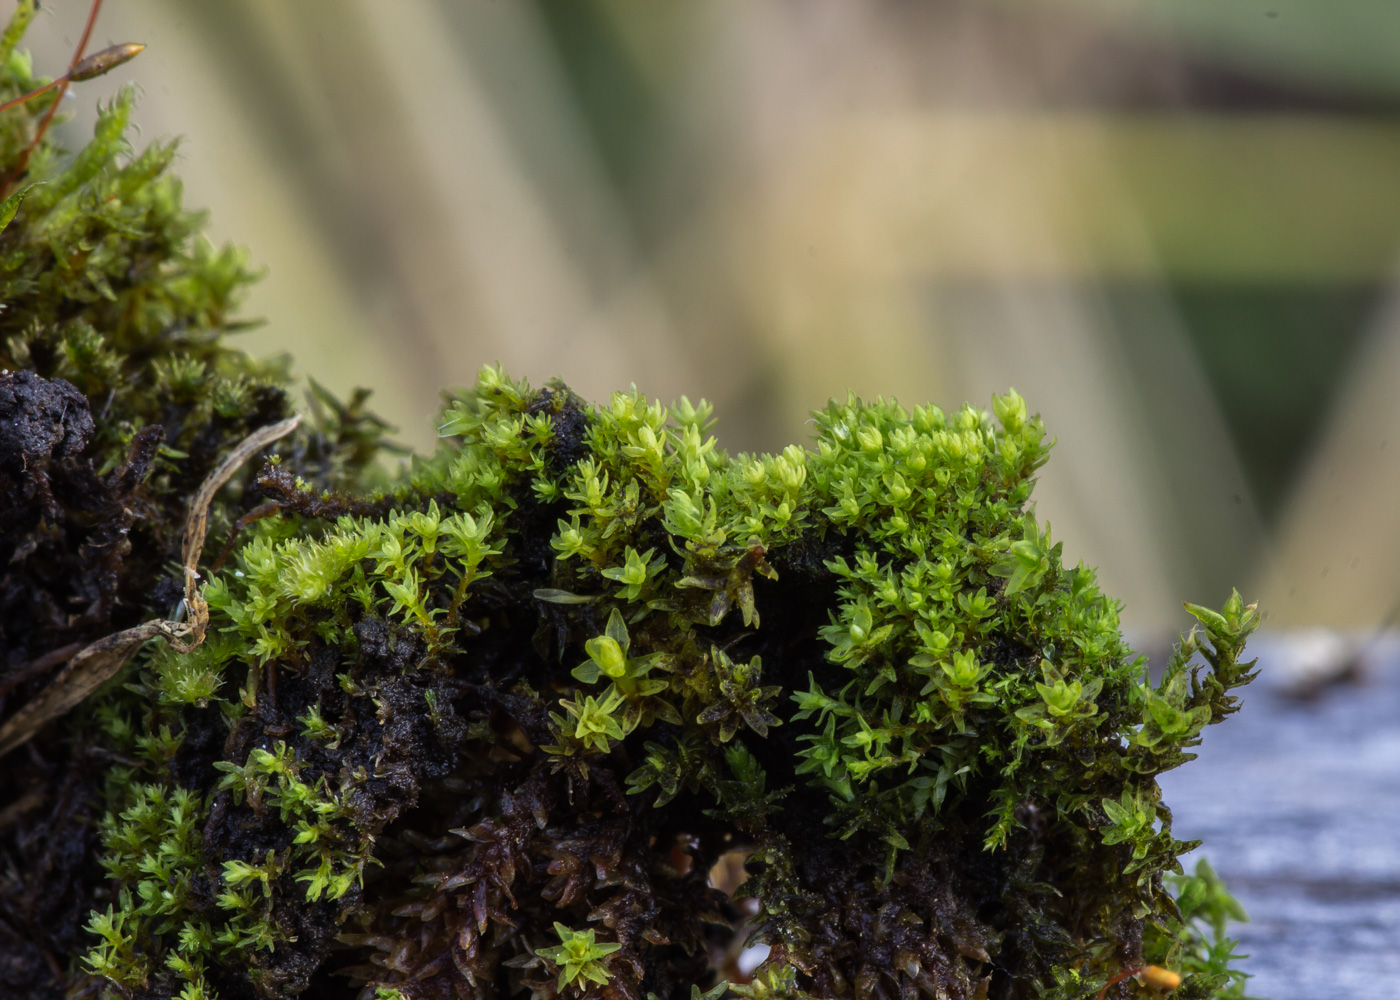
(497, 723)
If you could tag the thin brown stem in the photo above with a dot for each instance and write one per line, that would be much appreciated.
(62, 83)
(36, 92)
(1126, 974)
(87, 33)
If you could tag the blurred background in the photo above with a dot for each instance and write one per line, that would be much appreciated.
(1172, 225)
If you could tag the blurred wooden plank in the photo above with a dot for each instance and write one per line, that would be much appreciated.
(1336, 558)
(1296, 803)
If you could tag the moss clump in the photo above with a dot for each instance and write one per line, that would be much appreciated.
(580, 654)
(486, 730)
(118, 395)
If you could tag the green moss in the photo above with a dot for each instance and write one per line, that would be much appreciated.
(869, 641)
(578, 956)
(483, 725)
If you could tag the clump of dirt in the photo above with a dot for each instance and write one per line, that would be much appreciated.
(64, 530)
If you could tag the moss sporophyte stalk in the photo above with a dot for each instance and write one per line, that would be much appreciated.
(481, 723)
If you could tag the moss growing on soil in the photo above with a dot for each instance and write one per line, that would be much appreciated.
(484, 727)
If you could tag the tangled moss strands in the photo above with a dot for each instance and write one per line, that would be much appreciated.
(482, 728)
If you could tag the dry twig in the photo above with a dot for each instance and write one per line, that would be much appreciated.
(94, 665)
